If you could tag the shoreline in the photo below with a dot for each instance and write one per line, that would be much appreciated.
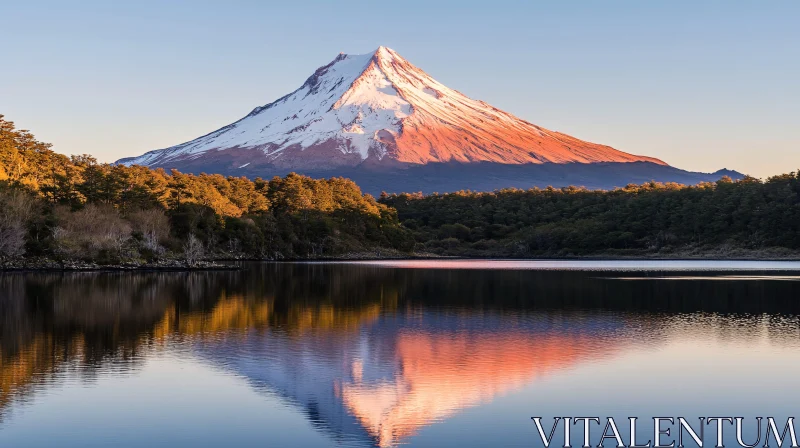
(44, 265)
(231, 263)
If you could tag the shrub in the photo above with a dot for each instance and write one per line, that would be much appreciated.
(94, 232)
(152, 225)
(192, 250)
(16, 208)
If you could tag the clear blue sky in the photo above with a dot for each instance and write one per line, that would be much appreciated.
(701, 85)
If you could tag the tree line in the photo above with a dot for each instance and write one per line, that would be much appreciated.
(74, 208)
(748, 217)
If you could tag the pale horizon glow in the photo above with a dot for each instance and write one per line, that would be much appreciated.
(700, 86)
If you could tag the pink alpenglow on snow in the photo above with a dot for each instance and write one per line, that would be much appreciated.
(378, 108)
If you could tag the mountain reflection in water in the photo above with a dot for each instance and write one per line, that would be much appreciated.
(369, 354)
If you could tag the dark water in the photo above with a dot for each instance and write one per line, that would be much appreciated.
(370, 354)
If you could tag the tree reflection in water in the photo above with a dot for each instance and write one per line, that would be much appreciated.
(365, 351)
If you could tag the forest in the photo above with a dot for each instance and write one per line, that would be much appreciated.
(745, 218)
(73, 208)
(65, 209)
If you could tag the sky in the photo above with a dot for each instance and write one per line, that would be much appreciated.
(700, 85)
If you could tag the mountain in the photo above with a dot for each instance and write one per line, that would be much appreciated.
(377, 115)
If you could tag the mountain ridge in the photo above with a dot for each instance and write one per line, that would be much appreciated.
(378, 108)
(487, 176)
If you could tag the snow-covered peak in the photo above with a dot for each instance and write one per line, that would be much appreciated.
(386, 54)
(378, 106)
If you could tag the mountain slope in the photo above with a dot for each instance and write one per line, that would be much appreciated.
(372, 111)
(487, 176)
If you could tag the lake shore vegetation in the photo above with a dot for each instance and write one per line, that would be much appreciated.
(74, 212)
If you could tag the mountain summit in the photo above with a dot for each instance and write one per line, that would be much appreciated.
(376, 109)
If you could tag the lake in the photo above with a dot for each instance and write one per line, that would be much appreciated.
(397, 353)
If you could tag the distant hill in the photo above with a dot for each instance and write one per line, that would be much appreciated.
(484, 176)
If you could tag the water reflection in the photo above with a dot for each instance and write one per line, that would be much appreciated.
(370, 355)
(439, 374)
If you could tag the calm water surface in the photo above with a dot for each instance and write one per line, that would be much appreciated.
(451, 353)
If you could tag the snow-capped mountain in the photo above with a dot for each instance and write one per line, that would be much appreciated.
(380, 109)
